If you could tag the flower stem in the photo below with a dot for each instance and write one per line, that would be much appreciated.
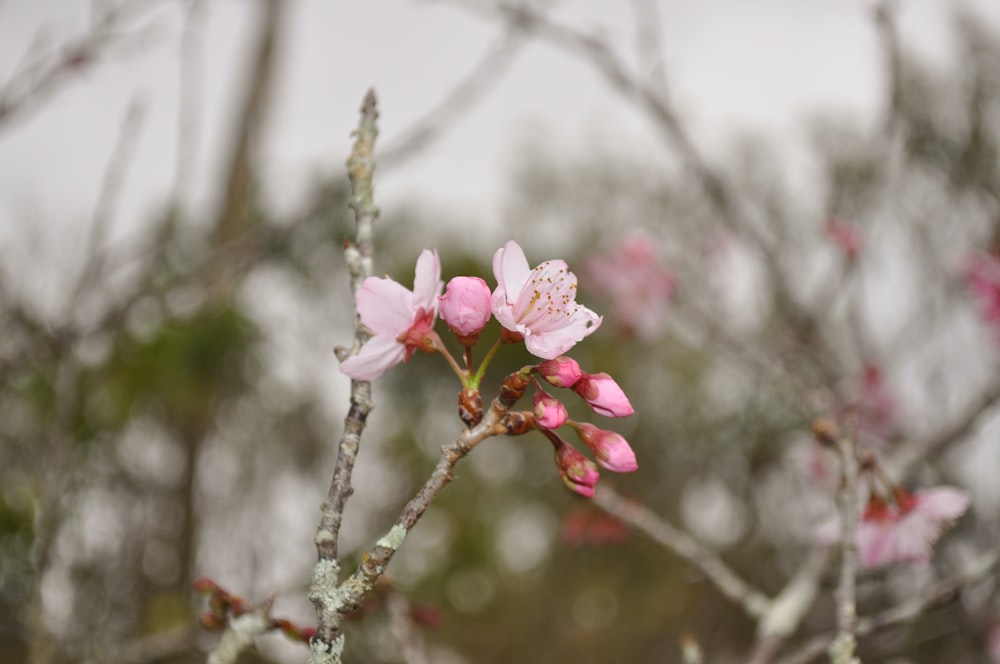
(478, 376)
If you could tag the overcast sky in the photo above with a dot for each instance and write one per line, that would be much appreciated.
(732, 66)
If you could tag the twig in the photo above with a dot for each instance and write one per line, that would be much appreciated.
(472, 87)
(42, 77)
(332, 601)
(755, 603)
(842, 648)
(107, 199)
(239, 635)
(904, 462)
(791, 606)
(906, 610)
(360, 166)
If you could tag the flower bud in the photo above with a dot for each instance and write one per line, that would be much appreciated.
(465, 307)
(603, 395)
(550, 413)
(512, 388)
(518, 423)
(212, 621)
(577, 471)
(611, 449)
(561, 372)
(470, 407)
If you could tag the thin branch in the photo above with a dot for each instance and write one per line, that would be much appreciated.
(108, 198)
(42, 77)
(755, 603)
(904, 463)
(333, 601)
(907, 610)
(360, 166)
(791, 606)
(841, 649)
(469, 90)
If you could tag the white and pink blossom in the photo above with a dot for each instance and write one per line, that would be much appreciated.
(631, 276)
(401, 320)
(539, 304)
(907, 529)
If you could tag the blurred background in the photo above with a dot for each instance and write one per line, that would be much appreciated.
(774, 204)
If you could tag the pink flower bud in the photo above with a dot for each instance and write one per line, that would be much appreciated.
(465, 307)
(550, 413)
(577, 471)
(561, 372)
(604, 395)
(611, 449)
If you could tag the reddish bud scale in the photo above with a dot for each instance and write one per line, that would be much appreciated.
(211, 621)
(470, 407)
(826, 431)
(518, 423)
(513, 388)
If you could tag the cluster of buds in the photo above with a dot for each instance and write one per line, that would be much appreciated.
(223, 605)
(534, 306)
(602, 394)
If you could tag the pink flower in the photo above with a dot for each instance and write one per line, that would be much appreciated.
(465, 307)
(908, 529)
(611, 449)
(539, 304)
(845, 235)
(550, 413)
(577, 471)
(402, 320)
(631, 276)
(983, 276)
(562, 371)
(604, 395)
(586, 525)
(877, 407)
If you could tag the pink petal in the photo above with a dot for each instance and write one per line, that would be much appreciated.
(374, 359)
(510, 267)
(942, 503)
(385, 306)
(427, 282)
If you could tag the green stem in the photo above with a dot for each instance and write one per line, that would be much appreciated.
(478, 376)
(439, 346)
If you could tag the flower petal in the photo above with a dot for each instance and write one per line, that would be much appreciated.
(510, 267)
(385, 306)
(374, 359)
(427, 282)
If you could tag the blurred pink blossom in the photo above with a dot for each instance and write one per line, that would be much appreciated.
(907, 530)
(846, 235)
(585, 525)
(982, 273)
(603, 395)
(877, 410)
(632, 278)
(400, 319)
(610, 449)
(539, 304)
(465, 306)
(550, 413)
